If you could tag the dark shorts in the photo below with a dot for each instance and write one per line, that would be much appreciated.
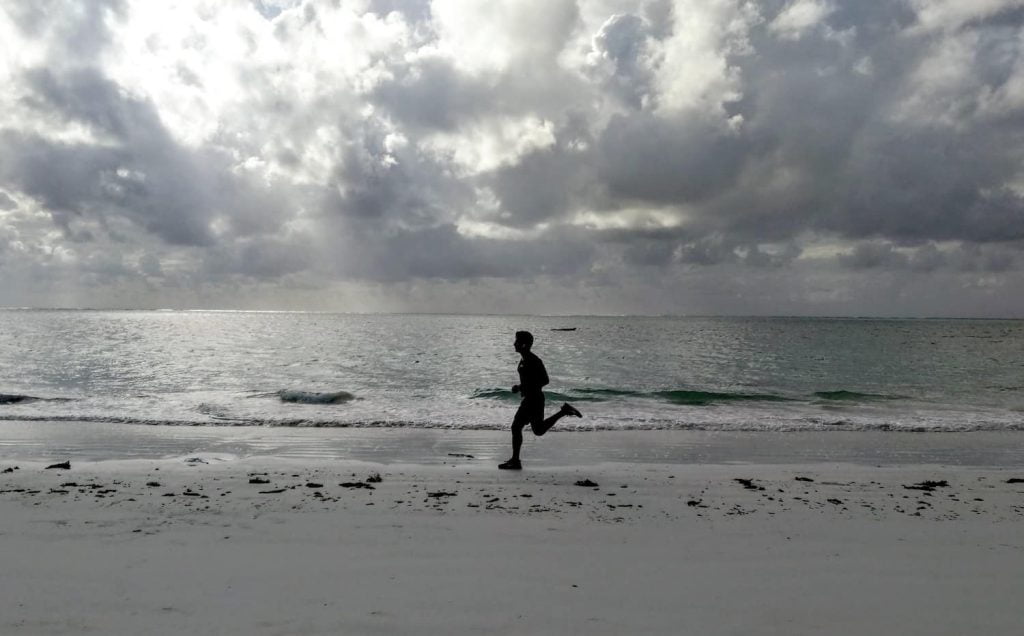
(531, 411)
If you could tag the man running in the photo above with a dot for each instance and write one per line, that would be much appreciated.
(532, 378)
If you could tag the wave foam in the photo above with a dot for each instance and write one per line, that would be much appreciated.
(688, 397)
(790, 426)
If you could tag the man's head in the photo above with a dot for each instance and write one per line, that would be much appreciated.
(524, 340)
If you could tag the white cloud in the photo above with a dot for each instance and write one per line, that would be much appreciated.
(492, 144)
(950, 15)
(695, 70)
(799, 17)
(493, 36)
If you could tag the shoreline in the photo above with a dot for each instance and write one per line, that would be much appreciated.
(90, 441)
(189, 545)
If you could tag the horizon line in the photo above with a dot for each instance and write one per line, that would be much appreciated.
(557, 315)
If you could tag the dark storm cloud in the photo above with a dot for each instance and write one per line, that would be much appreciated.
(432, 94)
(378, 185)
(86, 96)
(646, 158)
(969, 257)
(536, 188)
(77, 32)
(870, 255)
(812, 118)
(441, 252)
(926, 185)
(649, 253)
(263, 258)
(714, 249)
(144, 174)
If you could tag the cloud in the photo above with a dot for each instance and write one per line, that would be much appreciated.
(6, 202)
(798, 17)
(621, 45)
(638, 147)
(679, 161)
(137, 171)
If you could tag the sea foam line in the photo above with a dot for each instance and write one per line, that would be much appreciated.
(774, 426)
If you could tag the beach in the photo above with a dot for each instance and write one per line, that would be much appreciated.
(233, 543)
(276, 474)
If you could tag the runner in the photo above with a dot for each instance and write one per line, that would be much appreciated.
(532, 379)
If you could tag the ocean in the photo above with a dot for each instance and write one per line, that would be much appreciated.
(287, 369)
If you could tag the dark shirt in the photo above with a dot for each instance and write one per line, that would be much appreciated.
(532, 375)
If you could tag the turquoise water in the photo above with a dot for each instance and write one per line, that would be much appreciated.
(432, 371)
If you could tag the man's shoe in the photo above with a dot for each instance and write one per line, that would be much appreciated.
(570, 410)
(512, 464)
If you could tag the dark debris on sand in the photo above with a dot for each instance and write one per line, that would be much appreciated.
(586, 483)
(748, 484)
(928, 486)
(356, 484)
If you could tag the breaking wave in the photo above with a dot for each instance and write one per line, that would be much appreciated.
(704, 398)
(854, 396)
(13, 398)
(314, 397)
(575, 395)
(6, 398)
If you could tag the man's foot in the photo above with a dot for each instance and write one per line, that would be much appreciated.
(512, 464)
(568, 409)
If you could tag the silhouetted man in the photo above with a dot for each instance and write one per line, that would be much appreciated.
(532, 378)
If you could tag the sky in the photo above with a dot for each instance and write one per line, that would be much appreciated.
(793, 157)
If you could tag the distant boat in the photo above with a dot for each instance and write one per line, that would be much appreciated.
(563, 329)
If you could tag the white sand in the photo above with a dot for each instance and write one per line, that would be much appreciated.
(508, 553)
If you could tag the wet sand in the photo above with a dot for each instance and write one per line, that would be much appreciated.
(56, 441)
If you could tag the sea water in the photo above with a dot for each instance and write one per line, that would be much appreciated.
(286, 369)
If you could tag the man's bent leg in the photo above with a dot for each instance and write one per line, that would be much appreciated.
(539, 428)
